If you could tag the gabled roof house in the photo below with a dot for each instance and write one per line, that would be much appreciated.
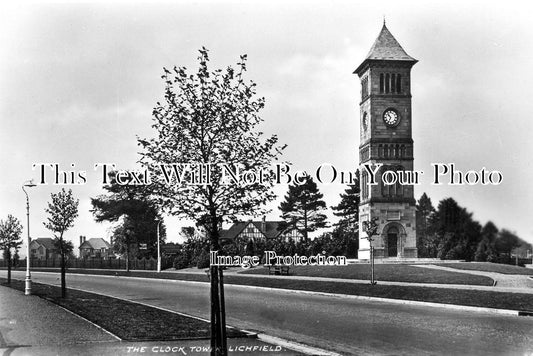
(42, 248)
(260, 230)
(95, 248)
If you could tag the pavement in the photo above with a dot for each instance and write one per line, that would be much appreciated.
(30, 325)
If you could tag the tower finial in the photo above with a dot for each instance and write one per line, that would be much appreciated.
(384, 22)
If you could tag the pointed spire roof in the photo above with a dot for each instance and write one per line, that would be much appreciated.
(386, 48)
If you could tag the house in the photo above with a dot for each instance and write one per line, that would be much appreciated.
(95, 248)
(260, 230)
(42, 248)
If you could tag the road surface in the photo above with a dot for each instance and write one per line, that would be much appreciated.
(344, 325)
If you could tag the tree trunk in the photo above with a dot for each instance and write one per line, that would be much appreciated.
(8, 255)
(218, 317)
(222, 311)
(63, 282)
(63, 272)
(127, 257)
(306, 235)
(215, 313)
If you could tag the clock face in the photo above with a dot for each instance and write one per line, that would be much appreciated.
(391, 117)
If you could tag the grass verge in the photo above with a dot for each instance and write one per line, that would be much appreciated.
(386, 272)
(475, 298)
(129, 321)
(383, 272)
(490, 267)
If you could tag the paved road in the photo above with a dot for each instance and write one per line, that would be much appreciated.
(341, 324)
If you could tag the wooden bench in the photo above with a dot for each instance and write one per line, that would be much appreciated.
(278, 270)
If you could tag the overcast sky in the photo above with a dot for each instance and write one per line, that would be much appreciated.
(78, 82)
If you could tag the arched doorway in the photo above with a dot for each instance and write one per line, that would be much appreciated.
(392, 242)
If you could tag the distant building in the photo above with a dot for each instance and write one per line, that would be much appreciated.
(95, 248)
(260, 230)
(170, 249)
(42, 248)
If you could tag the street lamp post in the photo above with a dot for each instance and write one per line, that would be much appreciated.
(158, 248)
(27, 290)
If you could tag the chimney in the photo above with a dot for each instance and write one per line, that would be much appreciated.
(82, 239)
(263, 224)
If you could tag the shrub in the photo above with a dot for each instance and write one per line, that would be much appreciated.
(203, 259)
(181, 261)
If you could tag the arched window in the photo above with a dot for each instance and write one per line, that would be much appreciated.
(364, 185)
(387, 83)
(398, 83)
(393, 83)
(385, 189)
(398, 187)
(364, 89)
(381, 83)
(391, 190)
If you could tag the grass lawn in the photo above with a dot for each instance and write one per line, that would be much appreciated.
(129, 321)
(490, 267)
(487, 299)
(385, 272)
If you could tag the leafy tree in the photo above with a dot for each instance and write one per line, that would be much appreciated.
(425, 239)
(190, 233)
(457, 232)
(347, 229)
(348, 207)
(10, 238)
(193, 250)
(506, 242)
(16, 257)
(123, 240)
(210, 117)
(134, 206)
(340, 241)
(486, 249)
(303, 207)
(62, 211)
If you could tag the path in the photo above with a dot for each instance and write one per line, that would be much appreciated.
(507, 281)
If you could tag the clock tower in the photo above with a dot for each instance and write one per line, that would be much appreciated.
(386, 140)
